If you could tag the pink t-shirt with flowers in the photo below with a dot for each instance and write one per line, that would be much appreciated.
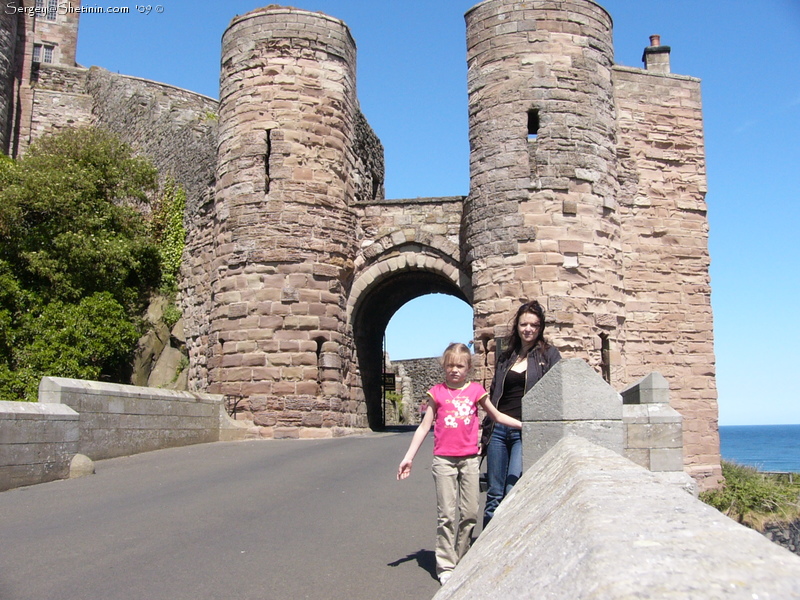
(455, 431)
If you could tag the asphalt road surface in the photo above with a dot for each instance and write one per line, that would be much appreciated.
(318, 519)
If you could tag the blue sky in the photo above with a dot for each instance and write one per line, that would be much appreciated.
(412, 89)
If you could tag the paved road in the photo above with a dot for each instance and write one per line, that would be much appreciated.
(319, 519)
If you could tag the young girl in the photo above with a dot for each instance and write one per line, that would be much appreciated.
(453, 407)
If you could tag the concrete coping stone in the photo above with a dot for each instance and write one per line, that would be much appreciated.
(650, 389)
(36, 410)
(51, 388)
(584, 522)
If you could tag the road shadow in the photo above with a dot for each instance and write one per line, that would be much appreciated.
(398, 428)
(426, 559)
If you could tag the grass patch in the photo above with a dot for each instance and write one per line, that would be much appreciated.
(754, 498)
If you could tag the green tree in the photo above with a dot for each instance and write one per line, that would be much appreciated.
(77, 259)
(69, 220)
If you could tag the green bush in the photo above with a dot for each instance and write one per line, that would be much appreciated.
(69, 219)
(78, 261)
(754, 498)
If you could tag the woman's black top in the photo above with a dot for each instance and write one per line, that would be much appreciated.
(511, 401)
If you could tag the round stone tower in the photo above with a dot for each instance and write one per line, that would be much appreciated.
(540, 219)
(284, 248)
(8, 41)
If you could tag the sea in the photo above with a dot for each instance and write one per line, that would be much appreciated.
(765, 447)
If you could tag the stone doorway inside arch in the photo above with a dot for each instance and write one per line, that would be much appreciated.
(375, 309)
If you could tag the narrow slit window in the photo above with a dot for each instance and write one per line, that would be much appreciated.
(605, 357)
(267, 152)
(533, 124)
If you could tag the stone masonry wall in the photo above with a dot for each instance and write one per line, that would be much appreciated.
(8, 45)
(669, 324)
(422, 374)
(175, 128)
(283, 250)
(541, 220)
(59, 100)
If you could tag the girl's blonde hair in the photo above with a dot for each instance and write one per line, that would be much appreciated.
(456, 348)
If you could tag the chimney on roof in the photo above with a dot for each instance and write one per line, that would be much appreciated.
(656, 56)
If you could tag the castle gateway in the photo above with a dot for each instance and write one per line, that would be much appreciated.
(587, 192)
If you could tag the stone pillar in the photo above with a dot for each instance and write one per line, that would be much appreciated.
(653, 429)
(284, 244)
(571, 399)
(541, 220)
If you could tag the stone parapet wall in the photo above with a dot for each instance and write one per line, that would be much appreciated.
(584, 522)
(37, 442)
(119, 420)
(653, 429)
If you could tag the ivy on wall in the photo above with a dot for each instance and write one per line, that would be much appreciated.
(170, 233)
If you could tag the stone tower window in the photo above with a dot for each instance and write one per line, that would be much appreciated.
(533, 124)
(43, 53)
(50, 13)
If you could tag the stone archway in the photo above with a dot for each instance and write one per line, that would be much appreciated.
(379, 294)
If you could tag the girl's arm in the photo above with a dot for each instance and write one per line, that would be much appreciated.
(404, 470)
(501, 418)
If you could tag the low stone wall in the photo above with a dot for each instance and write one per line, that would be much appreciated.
(787, 535)
(119, 420)
(38, 442)
(585, 522)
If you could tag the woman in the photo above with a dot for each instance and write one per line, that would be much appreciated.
(526, 359)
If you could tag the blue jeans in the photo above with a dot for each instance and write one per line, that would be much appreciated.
(503, 466)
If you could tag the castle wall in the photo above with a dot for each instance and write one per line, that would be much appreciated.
(59, 100)
(669, 324)
(175, 128)
(60, 32)
(56, 37)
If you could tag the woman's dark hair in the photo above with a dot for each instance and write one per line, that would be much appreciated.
(513, 341)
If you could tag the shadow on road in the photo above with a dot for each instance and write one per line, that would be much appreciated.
(426, 559)
(398, 428)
